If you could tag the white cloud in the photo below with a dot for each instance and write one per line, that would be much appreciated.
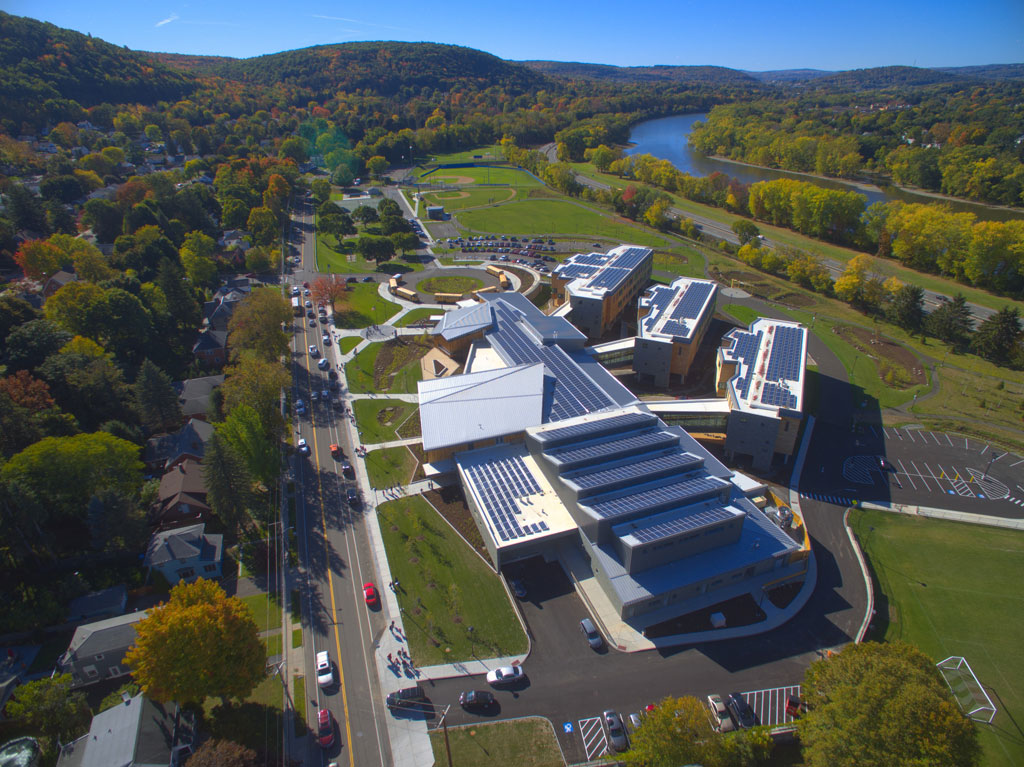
(168, 20)
(357, 21)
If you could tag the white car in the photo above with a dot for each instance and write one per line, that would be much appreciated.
(303, 447)
(720, 718)
(505, 675)
(324, 672)
(314, 351)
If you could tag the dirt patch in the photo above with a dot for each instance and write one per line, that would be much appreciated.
(737, 274)
(386, 415)
(738, 611)
(897, 366)
(442, 196)
(794, 299)
(450, 179)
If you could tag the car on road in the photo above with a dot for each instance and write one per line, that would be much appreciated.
(370, 594)
(591, 633)
(323, 319)
(324, 672)
(367, 279)
(296, 290)
(325, 395)
(314, 351)
(300, 406)
(616, 732)
(353, 497)
(315, 396)
(303, 447)
(312, 322)
(346, 469)
(720, 718)
(336, 452)
(407, 697)
(505, 675)
(310, 314)
(324, 364)
(476, 700)
(326, 339)
(741, 710)
(333, 375)
(309, 304)
(325, 728)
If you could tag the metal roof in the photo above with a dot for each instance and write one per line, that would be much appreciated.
(461, 322)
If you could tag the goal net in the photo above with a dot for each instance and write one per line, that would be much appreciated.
(967, 690)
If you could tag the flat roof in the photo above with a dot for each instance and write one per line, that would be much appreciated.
(594, 275)
(770, 359)
(676, 310)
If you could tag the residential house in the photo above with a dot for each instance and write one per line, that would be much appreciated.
(185, 554)
(105, 603)
(211, 348)
(138, 732)
(97, 649)
(235, 239)
(165, 451)
(194, 394)
(181, 499)
(56, 282)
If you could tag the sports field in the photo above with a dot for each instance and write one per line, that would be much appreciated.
(472, 197)
(954, 589)
(480, 175)
(551, 217)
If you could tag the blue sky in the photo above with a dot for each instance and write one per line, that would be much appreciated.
(743, 34)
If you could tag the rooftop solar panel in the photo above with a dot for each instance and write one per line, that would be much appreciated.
(786, 361)
(572, 457)
(659, 498)
(571, 271)
(681, 524)
(578, 431)
(630, 258)
(693, 300)
(651, 468)
(675, 329)
(774, 395)
(609, 278)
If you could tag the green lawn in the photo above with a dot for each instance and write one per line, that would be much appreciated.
(273, 643)
(951, 589)
(266, 610)
(378, 419)
(473, 196)
(402, 368)
(482, 175)
(362, 306)
(299, 705)
(415, 315)
(348, 343)
(390, 466)
(296, 638)
(450, 284)
(742, 314)
(680, 261)
(556, 217)
(445, 589)
(468, 155)
(519, 743)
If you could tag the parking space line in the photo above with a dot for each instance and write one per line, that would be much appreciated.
(595, 743)
(903, 469)
(921, 477)
(967, 444)
(873, 430)
(886, 433)
(1000, 457)
(948, 439)
(984, 450)
(770, 704)
(935, 438)
(1017, 464)
(910, 435)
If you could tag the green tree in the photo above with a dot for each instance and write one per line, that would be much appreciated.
(882, 704)
(246, 434)
(14, 311)
(257, 383)
(997, 337)
(851, 285)
(201, 643)
(233, 213)
(388, 207)
(366, 214)
(375, 248)
(951, 321)
(377, 165)
(405, 242)
(87, 385)
(156, 399)
(256, 324)
(321, 189)
(30, 343)
(228, 482)
(51, 708)
(262, 223)
(906, 308)
(296, 147)
(745, 230)
(196, 254)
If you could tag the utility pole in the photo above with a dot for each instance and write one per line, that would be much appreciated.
(444, 726)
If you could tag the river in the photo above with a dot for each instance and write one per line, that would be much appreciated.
(666, 137)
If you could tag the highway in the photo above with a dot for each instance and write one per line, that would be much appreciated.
(334, 559)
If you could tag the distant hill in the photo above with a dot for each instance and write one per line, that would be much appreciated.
(704, 75)
(789, 75)
(40, 61)
(886, 77)
(987, 71)
(383, 67)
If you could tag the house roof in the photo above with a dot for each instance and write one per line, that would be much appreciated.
(110, 600)
(104, 636)
(185, 479)
(184, 544)
(210, 340)
(189, 440)
(194, 393)
(136, 733)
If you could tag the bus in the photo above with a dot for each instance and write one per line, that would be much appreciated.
(490, 289)
(494, 271)
(393, 286)
(504, 281)
(408, 295)
(296, 306)
(447, 298)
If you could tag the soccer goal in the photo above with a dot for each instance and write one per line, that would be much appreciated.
(967, 690)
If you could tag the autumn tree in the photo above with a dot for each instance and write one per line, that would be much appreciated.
(40, 259)
(26, 391)
(201, 643)
(257, 383)
(50, 707)
(328, 289)
(256, 324)
(223, 753)
(882, 704)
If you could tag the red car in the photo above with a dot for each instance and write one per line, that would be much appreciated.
(325, 728)
(370, 593)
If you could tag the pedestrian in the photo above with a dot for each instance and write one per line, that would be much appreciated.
(397, 586)
(392, 626)
(391, 585)
(390, 660)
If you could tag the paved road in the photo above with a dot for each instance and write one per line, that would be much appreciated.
(332, 553)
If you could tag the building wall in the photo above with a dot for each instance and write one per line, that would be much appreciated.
(587, 315)
(652, 358)
(752, 434)
(457, 348)
(789, 427)
(189, 571)
(636, 559)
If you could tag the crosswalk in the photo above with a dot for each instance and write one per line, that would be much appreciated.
(838, 500)
(1017, 501)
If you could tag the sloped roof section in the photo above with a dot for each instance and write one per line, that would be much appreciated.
(461, 322)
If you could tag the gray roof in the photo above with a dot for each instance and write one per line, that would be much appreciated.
(475, 406)
(182, 544)
(139, 733)
(106, 635)
(194, 393)
(547, 328)
(462, 322)
(190, 439)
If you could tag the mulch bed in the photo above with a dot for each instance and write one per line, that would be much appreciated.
(738, 611)
(906, 370)
(450, 502)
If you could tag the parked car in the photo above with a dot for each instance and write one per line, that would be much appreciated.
(370, 594)
(591, 633)
(505, 675)
(616, 732)
(720, 718)
(476, 700)
(518, 587)
(740, 710)
(883, 464)
(324, 672)
(325, 728)
(407, 697)
(634, 722)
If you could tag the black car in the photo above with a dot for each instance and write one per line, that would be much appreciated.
(407, 697)
(353, 497)
(740, 709)
(367, 279)
(476, 700)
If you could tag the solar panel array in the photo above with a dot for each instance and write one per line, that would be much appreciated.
(609, 278)
(630, 258)
(657, 498)
(651, 468)
(745, 348)
(786, 360)
(575, 393)
(571, 457)
(672, 527)
(499, 482)
(775, 395)
(578, 431)
(590, 259)
(660, 298)
(692, 302)
(675, 328)
(571, 271)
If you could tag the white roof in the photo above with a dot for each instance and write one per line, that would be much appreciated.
(476, 406)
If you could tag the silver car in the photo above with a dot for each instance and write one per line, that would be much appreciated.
(616, 732)
(591, 633)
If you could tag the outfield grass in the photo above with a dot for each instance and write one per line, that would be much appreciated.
(519, 743)
(377, 419)
(482, 175)
(445, 589)
(450, 284)
(556, 217)
(414, 316)
(362, 306)
(468, 155)
(390, 466)
(951, 589)
(266, 610)
(348, 343)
